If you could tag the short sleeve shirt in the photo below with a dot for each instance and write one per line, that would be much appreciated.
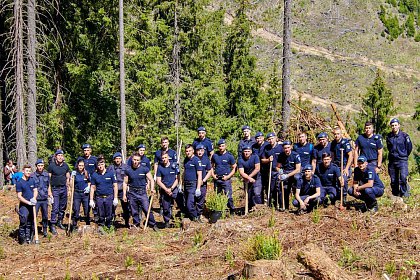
(319, 150)
(362, 177)
(104, 183)
(249, 164)
(329, 176)
(137, 177)
(336, 151)
(222, 163)
(273, 151)
(288, 162)
(167, 174)
(308, 187)
(191, 167)
(58, 173)
(26, 187)
(369, 147)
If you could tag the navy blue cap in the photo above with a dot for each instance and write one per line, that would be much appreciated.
(271, 134)
(86, 146)
(247, 147)
(59, 151)
(199, 146)
(361, 159)
(246, 127)
(307, 167)
(221, 141)
(201, 128)
(38, 161)
(394, 120)
(258, 134)
(286, 142)
(117, 154)
(322, 135)
(141, 146)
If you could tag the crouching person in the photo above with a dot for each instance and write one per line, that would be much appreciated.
(26, 193)
(308, 191)
(366, 184)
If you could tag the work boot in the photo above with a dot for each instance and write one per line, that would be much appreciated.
(53, 229)
(60, 225)
(155, 228)
(198, 220)
(373, 208)
(166, 225)
(44, 231)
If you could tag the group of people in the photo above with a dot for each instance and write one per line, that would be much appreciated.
(270, 169)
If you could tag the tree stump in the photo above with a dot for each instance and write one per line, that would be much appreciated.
(266, 269)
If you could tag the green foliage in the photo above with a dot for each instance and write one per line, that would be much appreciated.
(2, 253)
(409, 26)
(348, 258)
(139, 270)
(129, 261)
(272, 220)
(263, 247)
(390, 268)
(216, 201)
(198, 239)
(316, 216)
(406, 8)
(229, 256)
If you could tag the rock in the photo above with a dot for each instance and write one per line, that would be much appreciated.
(398, 204)
(86, 229)
(405, 233)
(266, 269)
(185, 223)
(6, 220)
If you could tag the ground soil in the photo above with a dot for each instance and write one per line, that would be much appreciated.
(365, 245)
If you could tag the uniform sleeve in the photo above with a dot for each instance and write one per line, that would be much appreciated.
(49, 169)
(67, 168)
(208, 165)
(240, 163)
(198, 165)
(93, 180)
(408, 144)
(337, 172)
(357, 142)
(232, 160)
(113, 178)
(370, 174)
(380, 145)
(297, 159)
(19, 187)
(299, 183)
(256, 159)
(317, 182)
(156, 158)
(210, 146)
(159, 172)
(347, 147)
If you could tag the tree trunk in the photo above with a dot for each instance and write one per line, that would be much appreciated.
(122, 81)
(32, 66)
(1, 143)
(176, 68)
(287, 40)
(19, 84)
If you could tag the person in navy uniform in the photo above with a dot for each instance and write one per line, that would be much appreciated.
(207, 172)
(337, 144)
(26, 194)
(81, 193)
(206, 142)
(88, 158)
(247, 140)
(288, 167)
(366, 184)
(308, 191)
(167, 179)
(164, 148)
(304, 149)
(137, 178)
(271, 153)
(258, 149)
(399, 147)
(330, 176)
(119, 168)
(249, 169)
(59, 173)
(224, 166)
(104, 185)
(323, 146)
(369, 145)
(42, 181)
(144, 160)
(193, 179)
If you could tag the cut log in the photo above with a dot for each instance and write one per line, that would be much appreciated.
(405, 233)
(266, 269)
(320, 264)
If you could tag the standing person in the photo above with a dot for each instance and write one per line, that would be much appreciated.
(59, 173)
(258, 149)
(340, 143)
(119, 168)
(167, 179)
(81, 193)
(304, 149)
(366, 184)
(136, 182)
(144, 160)
(26, 194)
(270, 155)
(369, 145)
(249, 169)
(8, 171)
(193, 179)
(323, 146)
(288, 167)
(224, 166)
(89, 160)
(104, 186)
(247, 140)
(399, 147)
(164, 148)
(206, 142)
(207, 172)
(308, 191)
(42, 181)
(331, 180)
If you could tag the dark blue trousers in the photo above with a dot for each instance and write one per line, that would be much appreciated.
(80, 198)
(288, 184)
(140, 202)
(60, 203)
(332, 192)
(189, 194)
(26, 222)
(201, 200)
(398, 171)
(368, 195)
(125, 207)
(313, 203)
(225, 187)
(104, 205)
(346, 183)
(43, 205)
(167, 202)
(254, 192)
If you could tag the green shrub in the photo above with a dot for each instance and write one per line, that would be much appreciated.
(263, 247)
(216, 201)
(348, 258)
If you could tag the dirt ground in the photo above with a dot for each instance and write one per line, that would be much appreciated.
(364, 245)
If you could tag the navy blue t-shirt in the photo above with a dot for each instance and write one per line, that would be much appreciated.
(362, 177)
(249, 164)
(319, 150)
(206, 142)
(259, 149)
(58, 173)
(222, 163)
(137, 176)
(369, 147)
(144, 161)
(329, 176)
(26, 187)
(119, 173)
(90, 163)
(288, 162)
(80, 181)
(42, 181)
(336, 153)
(104, 183)
(243, 143)
(305, 152)
(308, 187)
(191, 166)
(171, 154)
(270, 151)
(167, 174)
(206, 165)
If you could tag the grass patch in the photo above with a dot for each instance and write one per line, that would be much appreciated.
(348, 258)
(316, 216)
(129, 261)
(229, 257)
(198, 239)
(263, 247)
(272, 220)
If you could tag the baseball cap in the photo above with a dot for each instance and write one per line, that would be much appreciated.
(322, 135)
(247, 147)
(199, 146)
(141, 146)
(271, 134)
(39, 161)
(201, 128)
(286, 142)
(58, 152)
(245, 127)
(117, 154)
(394, 120)
(307, 167)
(361, 159)
(258, 134)
(221, 141)
(86, 146)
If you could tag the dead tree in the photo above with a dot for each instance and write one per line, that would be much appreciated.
(176, 68)
(122, 80)
(287, 40)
